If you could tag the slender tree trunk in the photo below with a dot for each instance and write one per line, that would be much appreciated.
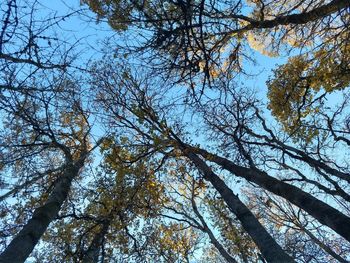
(267, 245)
(212, 237)
(322, 245)
(219, 247)
(92, 253)
(321, 211)
(24, 242)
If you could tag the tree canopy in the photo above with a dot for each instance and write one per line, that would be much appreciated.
(162, 143)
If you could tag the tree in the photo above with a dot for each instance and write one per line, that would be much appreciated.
(117, 201)
(154, 127)
(36, 134)
(134, 102)
(301, 232)
(214, 37)
(195, 204)
(45, 129)
(206, 177)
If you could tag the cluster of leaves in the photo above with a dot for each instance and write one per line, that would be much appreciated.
(297, 88)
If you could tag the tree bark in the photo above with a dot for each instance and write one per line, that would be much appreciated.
(271, 251)
(92, 253)
(24, 242)
(321, 211)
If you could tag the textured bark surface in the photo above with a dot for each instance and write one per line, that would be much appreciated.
(271, 251)
(24, 242)
(321, 211)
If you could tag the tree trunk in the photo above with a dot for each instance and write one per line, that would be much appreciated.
(24, 242)
(212, 237)
(321, 211)
(322, 245)
(303, 18)
(267, 245)
(92, 253)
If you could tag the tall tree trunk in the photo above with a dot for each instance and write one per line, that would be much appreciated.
(212, 237)
(24, 242)
(321, 211)
(267, 245)
(92, 253)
